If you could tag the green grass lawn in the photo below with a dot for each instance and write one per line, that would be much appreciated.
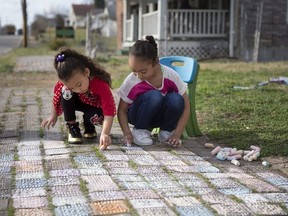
(231, 117)
(240, 118)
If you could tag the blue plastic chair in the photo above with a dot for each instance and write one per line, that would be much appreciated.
(188, 69)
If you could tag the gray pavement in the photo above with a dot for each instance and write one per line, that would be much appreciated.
(40, 174)
(9, 42)
(34, 63)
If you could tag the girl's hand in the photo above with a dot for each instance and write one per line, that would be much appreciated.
(174, 141)
(127, 139)
(105, 141)
(50, 121)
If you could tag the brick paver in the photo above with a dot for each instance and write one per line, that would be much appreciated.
(40, 174)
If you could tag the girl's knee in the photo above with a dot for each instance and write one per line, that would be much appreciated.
(175, 100)
(154, 96)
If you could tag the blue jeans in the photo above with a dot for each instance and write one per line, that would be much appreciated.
(152, 109)
(75, 104)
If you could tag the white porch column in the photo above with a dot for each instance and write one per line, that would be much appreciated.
(232, 28)
(162, 14)
(142, 10)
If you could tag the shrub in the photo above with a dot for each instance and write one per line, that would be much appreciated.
(56, 44)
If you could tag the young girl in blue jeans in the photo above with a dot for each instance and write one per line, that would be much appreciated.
(83, 86)
(153, 95)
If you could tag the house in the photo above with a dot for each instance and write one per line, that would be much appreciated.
(247, 30)
(105, 23)
(78, 14)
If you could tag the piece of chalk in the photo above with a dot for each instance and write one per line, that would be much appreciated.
(216, 150)
(226, 149)
(250, 153)
(255, 148)
(209, 145)
(246, 152)
(234, 157)
(266, 163)
(236, 152)
(255, 156)
(231, 158)
(221, 155)
(235, 162)
(250, 158)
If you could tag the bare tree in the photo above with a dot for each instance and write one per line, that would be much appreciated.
(39, 26)
(25, 29)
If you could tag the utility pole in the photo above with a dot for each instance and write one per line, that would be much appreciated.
(25, 29)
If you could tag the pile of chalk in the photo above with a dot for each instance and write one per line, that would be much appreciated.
(233, 154)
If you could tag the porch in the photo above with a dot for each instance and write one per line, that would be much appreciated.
(192, 32)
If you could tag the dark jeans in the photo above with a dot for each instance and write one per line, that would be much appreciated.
(75, 104)
(152, 110)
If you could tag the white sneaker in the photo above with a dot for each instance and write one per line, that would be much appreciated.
(164, 135)
(142, 137)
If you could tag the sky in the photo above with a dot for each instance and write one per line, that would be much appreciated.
(11, 11)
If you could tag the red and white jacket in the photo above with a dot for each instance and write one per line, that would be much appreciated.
(99, 96)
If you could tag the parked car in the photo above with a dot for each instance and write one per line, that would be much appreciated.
(20, 32)
(10, 29)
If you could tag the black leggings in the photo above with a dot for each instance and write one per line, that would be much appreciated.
(91, 115)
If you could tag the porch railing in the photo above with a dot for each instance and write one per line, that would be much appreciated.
(150, 24)
(181, 23)
(129, 29)
(197, 23)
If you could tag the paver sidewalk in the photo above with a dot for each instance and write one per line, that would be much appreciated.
(40, 174)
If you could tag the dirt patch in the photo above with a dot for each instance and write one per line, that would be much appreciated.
(278, 163)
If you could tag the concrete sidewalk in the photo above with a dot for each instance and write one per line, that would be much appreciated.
(42, 175)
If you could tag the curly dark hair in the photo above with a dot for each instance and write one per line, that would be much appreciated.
(146, 49)
(68, 60)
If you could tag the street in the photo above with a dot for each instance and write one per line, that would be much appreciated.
(8, 42)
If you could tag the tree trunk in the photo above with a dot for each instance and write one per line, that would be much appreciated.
(25, 29)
